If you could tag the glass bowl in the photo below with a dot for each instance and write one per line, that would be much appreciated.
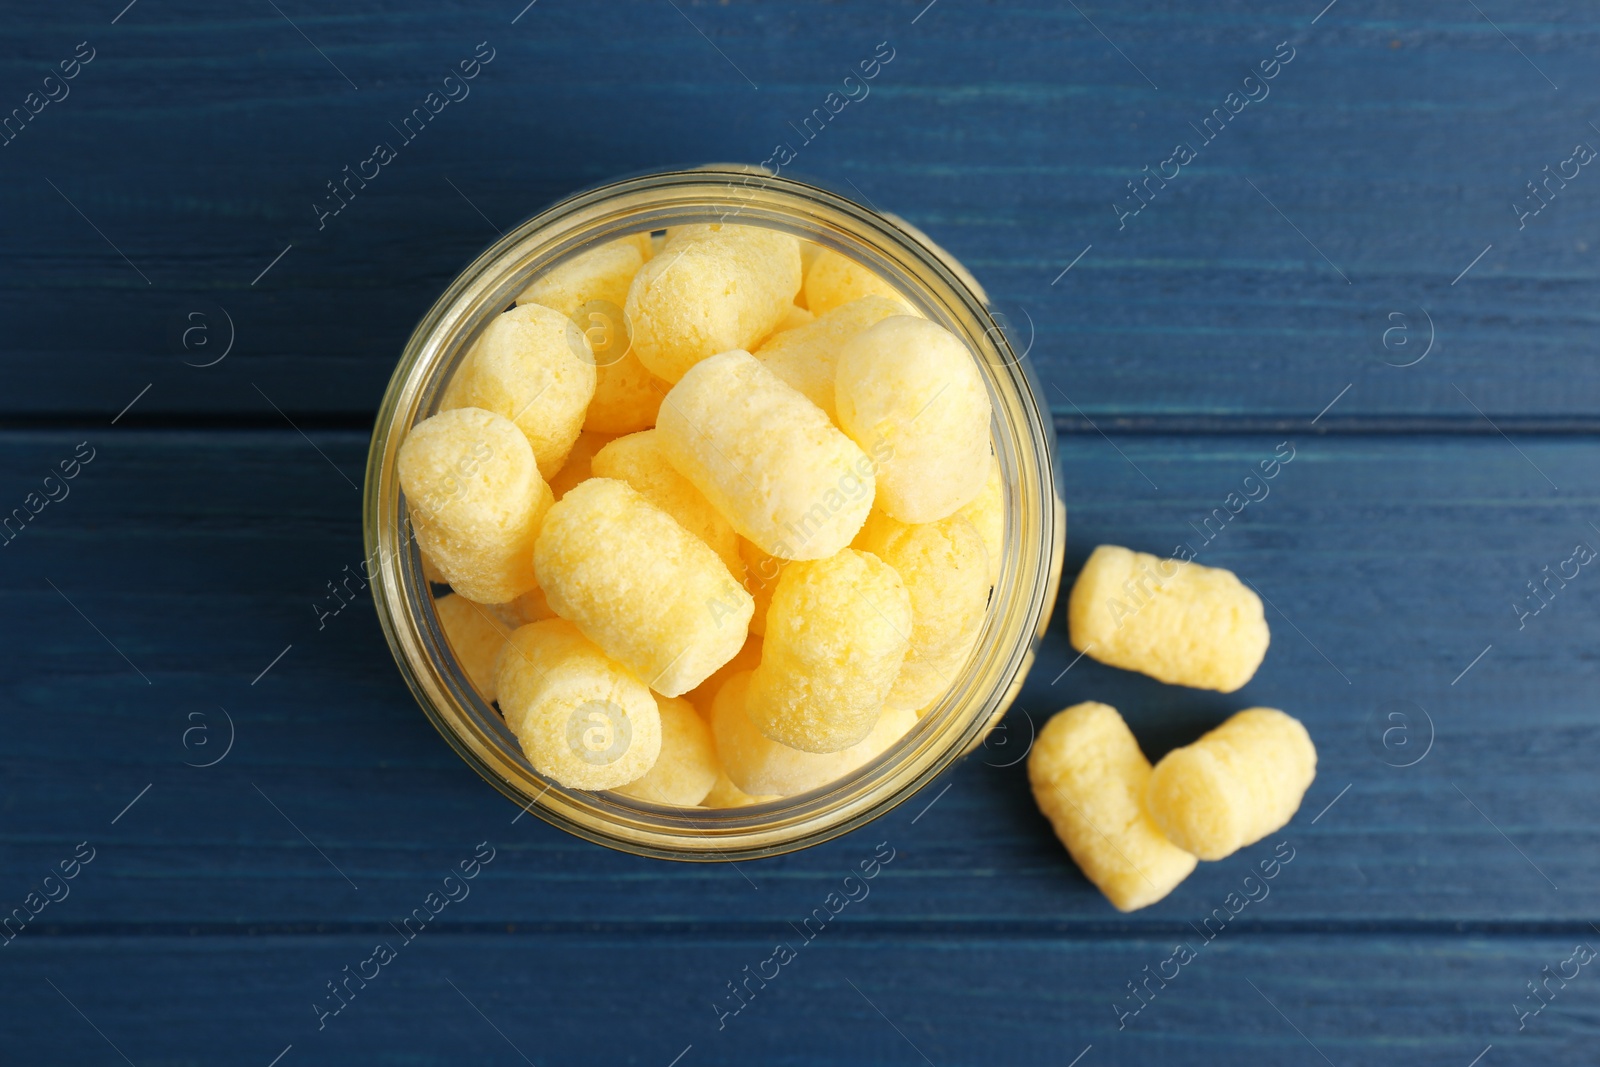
(1019, 606)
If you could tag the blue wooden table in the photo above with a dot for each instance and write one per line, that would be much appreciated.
(1367, 231)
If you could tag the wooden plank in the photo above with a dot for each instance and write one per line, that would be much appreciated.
(192, 562)
(1394, 144)
(844, 997)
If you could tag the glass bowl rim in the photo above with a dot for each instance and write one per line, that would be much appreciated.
(891, 246)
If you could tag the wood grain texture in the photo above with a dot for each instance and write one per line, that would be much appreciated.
(641, 999)
(1395, 143)
(200, 556)
(1445, 856)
